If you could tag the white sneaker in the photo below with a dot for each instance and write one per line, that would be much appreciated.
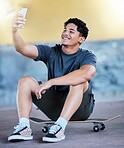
(55, 134)
(21, 133)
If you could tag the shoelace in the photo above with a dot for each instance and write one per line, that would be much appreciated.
(54, 128)
(18, 128)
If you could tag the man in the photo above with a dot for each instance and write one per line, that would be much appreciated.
(67, 94)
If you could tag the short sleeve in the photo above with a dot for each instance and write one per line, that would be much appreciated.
(43, 52)
(88, 58)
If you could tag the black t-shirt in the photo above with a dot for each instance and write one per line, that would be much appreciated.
(59, 63)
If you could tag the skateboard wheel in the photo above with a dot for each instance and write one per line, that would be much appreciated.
(102, 126)
(96, 128)
(45, 129)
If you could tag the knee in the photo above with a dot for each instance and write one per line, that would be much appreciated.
(24, 82)
(80, 88)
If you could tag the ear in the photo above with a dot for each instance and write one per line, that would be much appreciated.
(81, 39)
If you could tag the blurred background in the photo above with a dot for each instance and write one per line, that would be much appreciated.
(45, 19)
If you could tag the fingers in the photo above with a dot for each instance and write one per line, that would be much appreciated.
(18, 22)
(39, 93)
(42, 89)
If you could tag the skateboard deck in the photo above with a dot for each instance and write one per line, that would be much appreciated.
(98, 122)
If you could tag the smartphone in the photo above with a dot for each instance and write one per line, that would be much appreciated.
(23, 11)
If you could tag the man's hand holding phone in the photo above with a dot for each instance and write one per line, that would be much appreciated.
(19, 20)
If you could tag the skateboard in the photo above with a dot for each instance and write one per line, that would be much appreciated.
(99, 123)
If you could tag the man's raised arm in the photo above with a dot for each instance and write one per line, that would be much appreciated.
(26, 49)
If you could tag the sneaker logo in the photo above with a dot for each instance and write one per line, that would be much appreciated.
(26, 132)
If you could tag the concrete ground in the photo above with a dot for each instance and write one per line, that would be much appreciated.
(78, 135)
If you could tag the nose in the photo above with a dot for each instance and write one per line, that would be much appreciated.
(66, 32)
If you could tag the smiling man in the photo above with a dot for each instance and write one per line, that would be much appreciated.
(67, 94)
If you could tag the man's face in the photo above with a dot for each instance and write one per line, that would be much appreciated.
(70, 35)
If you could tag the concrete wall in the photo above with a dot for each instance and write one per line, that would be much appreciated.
(45, 18)
(108, 82)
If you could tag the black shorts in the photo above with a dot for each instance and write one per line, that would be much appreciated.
(52, 102)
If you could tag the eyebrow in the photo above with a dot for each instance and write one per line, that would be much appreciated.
(71, 29)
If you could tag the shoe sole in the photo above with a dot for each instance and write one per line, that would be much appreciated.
(47, 139)
(19, 138)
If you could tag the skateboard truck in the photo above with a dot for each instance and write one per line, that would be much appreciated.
(98, 126)
(46, 127)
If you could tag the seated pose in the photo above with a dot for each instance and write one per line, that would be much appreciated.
(67, 94)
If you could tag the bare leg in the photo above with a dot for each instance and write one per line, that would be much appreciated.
(73, 100)
(72, 103)
(26, 87)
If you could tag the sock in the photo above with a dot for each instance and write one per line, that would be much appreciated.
(62, 122)
(24, 122)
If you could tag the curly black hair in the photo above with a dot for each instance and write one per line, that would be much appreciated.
(81, 26)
